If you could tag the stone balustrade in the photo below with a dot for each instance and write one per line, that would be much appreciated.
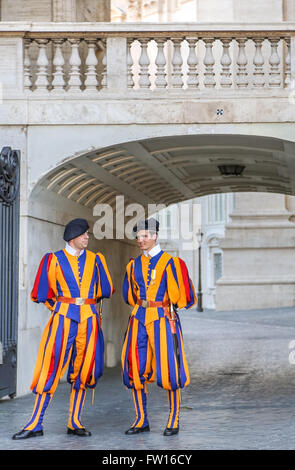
(90, 58)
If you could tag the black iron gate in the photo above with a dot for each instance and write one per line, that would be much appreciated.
(9, 234)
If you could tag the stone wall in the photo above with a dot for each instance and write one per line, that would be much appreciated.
(55, 10)
(239, 10)
(32, 10)
(258, 254)
(93, 10)
(288, 10)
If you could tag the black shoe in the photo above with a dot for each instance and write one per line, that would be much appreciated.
(136, 430)
(170, 431)
(79, 432)
(26, 433)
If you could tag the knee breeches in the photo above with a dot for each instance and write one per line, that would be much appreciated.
(149, 350)
(68, 344)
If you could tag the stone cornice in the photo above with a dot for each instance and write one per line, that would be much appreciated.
(20, 28)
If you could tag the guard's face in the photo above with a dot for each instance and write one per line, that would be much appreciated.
(81, 242)
(146, 240)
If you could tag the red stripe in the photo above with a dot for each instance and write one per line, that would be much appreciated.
(53, 356)
(36, 283)
(137, 357)
(92, 360)
(185, 278)
(50, 294)
(51, 363)
(129, 360)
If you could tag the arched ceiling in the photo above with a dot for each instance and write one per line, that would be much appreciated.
(173, 169)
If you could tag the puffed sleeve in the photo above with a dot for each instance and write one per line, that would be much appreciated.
(187, 297)
(44, 288)
(105, 287)
(172, 282)
(129, 292)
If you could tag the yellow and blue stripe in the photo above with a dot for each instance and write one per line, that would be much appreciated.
(148, 347)
(63, 275)
(72, 338)
(77, 400)
(140, 401)
(41, 403)
(174, 403)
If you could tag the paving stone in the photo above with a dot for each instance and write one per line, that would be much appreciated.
(241, 394)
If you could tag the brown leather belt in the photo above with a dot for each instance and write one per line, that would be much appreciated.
(76, 300)
(151, 303)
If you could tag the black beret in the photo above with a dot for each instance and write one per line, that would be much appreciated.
(75, 228)
(149, 224)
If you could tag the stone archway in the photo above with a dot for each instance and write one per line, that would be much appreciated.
(185, 166)
(146, 171)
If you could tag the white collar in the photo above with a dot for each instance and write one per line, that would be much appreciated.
(72, 251)
(153, 252)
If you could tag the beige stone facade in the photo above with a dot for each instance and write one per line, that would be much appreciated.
(55, 10)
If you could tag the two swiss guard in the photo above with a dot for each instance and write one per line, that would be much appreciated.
(70, 282)
(155, 285)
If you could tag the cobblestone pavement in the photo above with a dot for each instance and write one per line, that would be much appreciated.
(241, 394)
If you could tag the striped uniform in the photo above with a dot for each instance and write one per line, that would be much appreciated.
(148, 349)
(73, 337)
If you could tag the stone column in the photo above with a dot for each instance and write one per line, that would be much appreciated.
(258, 254)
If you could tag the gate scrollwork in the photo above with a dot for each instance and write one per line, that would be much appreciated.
(9, 261)
(9, 175)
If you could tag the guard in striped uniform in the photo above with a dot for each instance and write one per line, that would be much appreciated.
(155, 285)
(70, 282)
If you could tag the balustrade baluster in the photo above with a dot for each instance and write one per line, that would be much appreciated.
(58, 82)
(130, 81)
(104, 81)
(91, 82)
(209, 75)
(144, 62)
(242, 62)
(42, 82)
(27, 65)
(62, 69)
(192, 62)
(288, 64)
(160, 81)
(274, 61)
(75, 83)
(177, 79)
(226, 79)
(258, 61)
